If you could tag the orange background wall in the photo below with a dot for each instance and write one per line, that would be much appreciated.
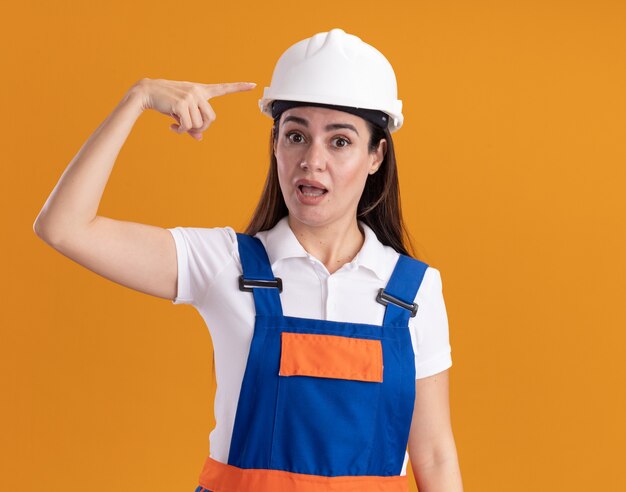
(512, 163)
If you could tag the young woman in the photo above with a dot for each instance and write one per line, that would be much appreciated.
(331, 341)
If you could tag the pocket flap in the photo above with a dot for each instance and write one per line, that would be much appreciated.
(331, 356)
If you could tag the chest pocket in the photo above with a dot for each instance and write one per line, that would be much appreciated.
(329, 390)
(331, 356)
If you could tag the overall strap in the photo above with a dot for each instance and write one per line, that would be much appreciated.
(399, 295)
(258, 277)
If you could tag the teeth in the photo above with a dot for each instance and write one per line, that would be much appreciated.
(311, 191)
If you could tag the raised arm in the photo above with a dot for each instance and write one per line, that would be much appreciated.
(139, 256)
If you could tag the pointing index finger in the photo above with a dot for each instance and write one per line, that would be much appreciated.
(214, 90)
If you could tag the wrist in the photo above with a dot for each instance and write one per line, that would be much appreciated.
(136, 96)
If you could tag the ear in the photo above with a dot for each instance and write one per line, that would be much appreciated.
(379, 156)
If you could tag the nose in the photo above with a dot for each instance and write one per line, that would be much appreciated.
(314, 158)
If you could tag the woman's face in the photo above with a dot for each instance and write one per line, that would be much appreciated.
(323, 163)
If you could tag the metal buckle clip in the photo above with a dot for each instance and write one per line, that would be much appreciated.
(385, 299)
(248, 285)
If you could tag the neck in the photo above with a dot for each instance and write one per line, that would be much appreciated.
(334, 244)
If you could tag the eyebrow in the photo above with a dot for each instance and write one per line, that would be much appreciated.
(332, 126)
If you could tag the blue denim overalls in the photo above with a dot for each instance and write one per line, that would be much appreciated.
(318, 409)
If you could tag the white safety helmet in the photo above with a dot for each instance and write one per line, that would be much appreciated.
(335, 68)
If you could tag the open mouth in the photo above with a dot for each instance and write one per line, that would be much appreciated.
(307, 190)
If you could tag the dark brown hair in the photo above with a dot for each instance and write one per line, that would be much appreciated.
(379, 206)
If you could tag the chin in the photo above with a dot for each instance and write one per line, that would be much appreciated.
(308, 216)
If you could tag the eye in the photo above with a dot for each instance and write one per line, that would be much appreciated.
(293, 134)
(345, 141)
(296, 137)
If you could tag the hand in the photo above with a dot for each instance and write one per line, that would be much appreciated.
(186, 102)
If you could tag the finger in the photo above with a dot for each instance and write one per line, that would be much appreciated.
(185, 118)
(214, 90)
(174, 126)
(196, 117)
(195, 135)
(208, 115)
